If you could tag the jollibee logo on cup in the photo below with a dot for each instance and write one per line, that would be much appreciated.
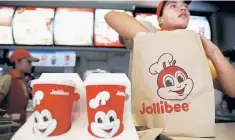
(106, 122)
(53, 105)
(44, 124)
(173, 84)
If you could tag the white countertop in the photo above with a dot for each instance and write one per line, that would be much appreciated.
(224, 131)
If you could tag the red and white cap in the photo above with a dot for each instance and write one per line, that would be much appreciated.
(161, 5)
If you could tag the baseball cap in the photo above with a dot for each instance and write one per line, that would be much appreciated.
(22, 54)
(162, 3)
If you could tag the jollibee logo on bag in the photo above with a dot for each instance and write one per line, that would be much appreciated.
(173, 84)
(173, 81)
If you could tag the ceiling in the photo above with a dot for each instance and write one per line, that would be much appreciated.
(122, 4)
(209, 5)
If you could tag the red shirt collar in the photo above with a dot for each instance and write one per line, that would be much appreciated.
(16, 74)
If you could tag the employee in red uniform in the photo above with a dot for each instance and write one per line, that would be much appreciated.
(14, 92)
(174, 15)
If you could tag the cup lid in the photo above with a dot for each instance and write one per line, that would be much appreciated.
(107, 79)
(58, 82)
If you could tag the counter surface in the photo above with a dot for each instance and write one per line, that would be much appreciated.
(224, 131)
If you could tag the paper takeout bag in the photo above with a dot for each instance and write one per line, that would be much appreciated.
(171, 80)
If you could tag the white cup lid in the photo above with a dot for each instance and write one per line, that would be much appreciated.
(107, 79)
(59, 82)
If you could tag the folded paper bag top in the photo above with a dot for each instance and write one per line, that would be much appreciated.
(172, 84)
(53, 102)
(105, 103)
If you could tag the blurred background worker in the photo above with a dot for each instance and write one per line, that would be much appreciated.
(14, 93)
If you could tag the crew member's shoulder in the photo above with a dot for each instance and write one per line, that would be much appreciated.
(148, 25)
(5, 83)
(5, 78)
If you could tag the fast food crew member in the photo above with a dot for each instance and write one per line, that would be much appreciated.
(174, 15)
(14, 93)
(169, 25)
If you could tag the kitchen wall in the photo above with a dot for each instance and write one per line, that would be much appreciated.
(223, 30)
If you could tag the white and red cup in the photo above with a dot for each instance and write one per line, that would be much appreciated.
(105, 95)
(53, 103)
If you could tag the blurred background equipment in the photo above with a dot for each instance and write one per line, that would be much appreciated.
(69, 29)
(8, 126)
(33, 26)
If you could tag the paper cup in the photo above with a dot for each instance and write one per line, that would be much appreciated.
(53, 102)
(105, 107)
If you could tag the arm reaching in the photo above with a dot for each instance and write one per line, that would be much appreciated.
(225, 71)
(124, 24)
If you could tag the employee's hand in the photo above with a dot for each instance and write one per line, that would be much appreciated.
(225, 71)
(209, 47)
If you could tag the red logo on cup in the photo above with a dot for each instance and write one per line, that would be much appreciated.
(105, 104)
(52, 108)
